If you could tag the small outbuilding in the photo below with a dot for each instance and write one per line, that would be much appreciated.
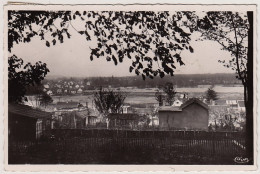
(26, 123)
(191, 115)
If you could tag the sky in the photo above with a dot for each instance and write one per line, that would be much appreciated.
(71, 58)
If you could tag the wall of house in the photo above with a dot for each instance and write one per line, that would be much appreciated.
(122, 123)
(192, 117)
(21, 128)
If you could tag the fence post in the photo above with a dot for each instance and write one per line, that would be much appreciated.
(214, 144)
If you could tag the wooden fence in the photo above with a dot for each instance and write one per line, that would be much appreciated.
(141, 147)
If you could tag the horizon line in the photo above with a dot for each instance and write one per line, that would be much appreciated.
(63, 76)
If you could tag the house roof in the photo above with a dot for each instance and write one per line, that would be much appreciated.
(241, 103)
(221, 102)
(144, 110)
(231, 102)
(27, 111)
(64, 105)
(122, 116)
(170, 108)
(84, 114)
(180, 108)
(194, 100)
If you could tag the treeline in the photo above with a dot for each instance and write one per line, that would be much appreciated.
(181, 80)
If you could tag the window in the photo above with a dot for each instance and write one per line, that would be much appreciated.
(38, 129)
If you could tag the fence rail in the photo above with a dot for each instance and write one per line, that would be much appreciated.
(114, 133)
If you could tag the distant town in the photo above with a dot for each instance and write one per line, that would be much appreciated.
(72, 103)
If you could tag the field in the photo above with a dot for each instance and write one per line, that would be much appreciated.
(146, 96)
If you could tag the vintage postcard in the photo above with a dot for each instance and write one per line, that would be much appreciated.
(130, 87)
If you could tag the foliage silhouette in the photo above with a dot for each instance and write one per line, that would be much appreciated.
(152, 40)
(169, 95)
(211, 94)
(234, 32)
(230, 30)
(108, 101)
(21, 76)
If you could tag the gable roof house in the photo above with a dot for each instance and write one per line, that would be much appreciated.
(177, 103)
(85, 118)
(191, 115)
(73, 115)
(26, 123)
(79, 91)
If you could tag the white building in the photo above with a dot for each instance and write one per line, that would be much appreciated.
(125, 109)
(49, 92)
(177, 103)
(79, 91)
(46, 86)
(73, 92)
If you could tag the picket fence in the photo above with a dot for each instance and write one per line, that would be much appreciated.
(113, 143)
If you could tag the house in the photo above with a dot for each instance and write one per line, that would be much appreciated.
(58, 85)
(177, 103)
(71, 115)
(59, 91)
(67, 106)
(76, 119)
(127, 109)
(46, 86)
(49, 92)
(241, 106)
(89, 117)
(182, 95)
(73, 91)
(232, 103)
(26, 123)
(191, 115)
(79, 91)
(123, 121)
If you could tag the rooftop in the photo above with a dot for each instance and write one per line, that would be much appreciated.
(170, 108)
(180, 108)
(67, 105)
(27, 111)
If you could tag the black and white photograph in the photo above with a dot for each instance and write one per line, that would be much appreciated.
(130, 85)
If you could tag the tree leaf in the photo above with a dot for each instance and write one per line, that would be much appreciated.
(47, 44)
(191, 49)
(114, 59)
(53, 41)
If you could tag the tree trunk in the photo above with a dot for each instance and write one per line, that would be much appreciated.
(250, 88)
